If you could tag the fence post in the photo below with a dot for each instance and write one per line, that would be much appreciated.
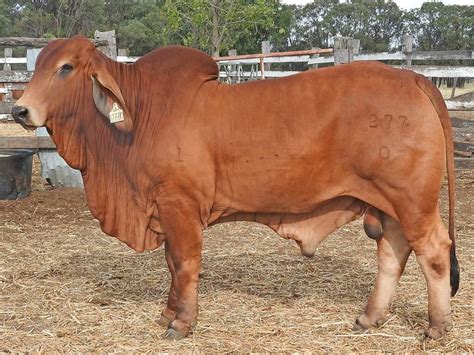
(8, 54)
(314, 66)
(407, 47)
(453, 90)
(111, 49)
(344, 49)
(231, 68)
(354, 47)
(8, 86)
(266, 48)
(31, 55)
(122, 52)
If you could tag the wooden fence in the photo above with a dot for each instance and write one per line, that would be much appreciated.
(235, 69)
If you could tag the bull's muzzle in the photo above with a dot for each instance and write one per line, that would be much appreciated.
(20, 115)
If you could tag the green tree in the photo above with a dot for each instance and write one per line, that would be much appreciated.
(440, 27)
(312, 24)
(383, 24)
(219, 24)
(281, 35)
(142, 26)
(5, 22)
(376, 23)
(56, 18)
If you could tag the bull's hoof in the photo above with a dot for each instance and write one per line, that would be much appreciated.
(178, 329)
(174, 334)
(165, 320)
(308, 253)
(439, 331)
(364, 322)
(358, 328)
(305, 251)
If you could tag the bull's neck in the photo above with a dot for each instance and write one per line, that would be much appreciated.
(127, 77)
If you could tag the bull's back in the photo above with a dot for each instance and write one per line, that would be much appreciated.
(288, 144)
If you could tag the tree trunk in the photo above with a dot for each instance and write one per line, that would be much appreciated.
(215, 37)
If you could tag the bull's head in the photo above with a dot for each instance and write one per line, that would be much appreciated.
(70, 80)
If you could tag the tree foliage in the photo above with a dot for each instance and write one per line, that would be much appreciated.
(221, 24)
(218, 25)
(55, 18)
(437, 26)
(5, 23)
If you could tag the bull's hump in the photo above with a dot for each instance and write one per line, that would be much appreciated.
(178, 58)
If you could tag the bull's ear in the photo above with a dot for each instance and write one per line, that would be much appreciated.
(109, 100)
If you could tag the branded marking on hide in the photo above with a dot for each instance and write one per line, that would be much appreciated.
(404, 119)
(388, 122)
(384, 152)
(373, 120)
(179, 160)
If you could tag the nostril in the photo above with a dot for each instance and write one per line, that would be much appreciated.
(19, 113)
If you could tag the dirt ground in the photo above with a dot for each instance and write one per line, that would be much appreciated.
(12, 129)
(66, 286)
(446, 92)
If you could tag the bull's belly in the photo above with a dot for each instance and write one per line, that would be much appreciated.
(310, 228)
(301, 197)
(295, 186)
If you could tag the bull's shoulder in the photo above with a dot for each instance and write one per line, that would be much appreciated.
(179, 58)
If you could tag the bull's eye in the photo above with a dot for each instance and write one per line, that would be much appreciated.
(65, 69)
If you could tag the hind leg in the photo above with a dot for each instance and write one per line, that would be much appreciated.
(432, 253)
(393, 251)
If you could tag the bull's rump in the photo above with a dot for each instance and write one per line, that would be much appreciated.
(349, 130)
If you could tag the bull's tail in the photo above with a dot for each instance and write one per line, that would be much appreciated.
(438, 102)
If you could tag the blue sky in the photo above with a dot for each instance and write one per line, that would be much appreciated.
(404, 4)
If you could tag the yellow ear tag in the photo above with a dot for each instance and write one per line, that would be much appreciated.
(116, 114)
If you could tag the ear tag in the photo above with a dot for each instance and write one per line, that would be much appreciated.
(116, 114)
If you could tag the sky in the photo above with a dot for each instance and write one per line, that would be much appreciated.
(404, 4)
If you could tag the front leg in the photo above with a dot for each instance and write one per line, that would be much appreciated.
(169, 313)
(184, 245)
